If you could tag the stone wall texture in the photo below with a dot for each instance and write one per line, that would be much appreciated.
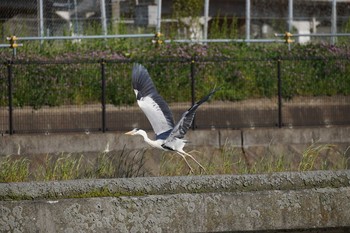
(318, 200)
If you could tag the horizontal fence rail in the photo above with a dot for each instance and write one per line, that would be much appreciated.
(96, 95)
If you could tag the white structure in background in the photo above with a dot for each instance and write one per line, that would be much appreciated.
(305, 27)
(146, 15)
(195, 25)
(83, 9)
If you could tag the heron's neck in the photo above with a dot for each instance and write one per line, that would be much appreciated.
(149, 141)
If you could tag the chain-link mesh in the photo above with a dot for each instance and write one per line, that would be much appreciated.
(34, 18)
(227, 19)
(305, 17)
(316, 92)
(45, 87)
(51, 97)
(55, 97)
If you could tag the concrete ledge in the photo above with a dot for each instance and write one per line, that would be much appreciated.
(267, 202)
(268, 136)
(172, 185)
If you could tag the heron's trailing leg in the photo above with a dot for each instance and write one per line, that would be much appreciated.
(193, 151)
(187, 154)
(184, 157)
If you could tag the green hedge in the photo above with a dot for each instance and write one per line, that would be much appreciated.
(242, 71)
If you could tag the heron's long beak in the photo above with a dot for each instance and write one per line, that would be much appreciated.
(130, 132)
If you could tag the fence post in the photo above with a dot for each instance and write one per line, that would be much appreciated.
(10, 104)
(103, 94)
(193, 73)
(279, 87)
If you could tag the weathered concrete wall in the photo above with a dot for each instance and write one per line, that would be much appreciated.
(98, 142)
(310, 200)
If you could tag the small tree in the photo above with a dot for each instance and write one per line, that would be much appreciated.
(188, 13)
(188, 8)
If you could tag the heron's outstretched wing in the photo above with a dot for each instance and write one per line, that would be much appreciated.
(185, 122)
(152, 104)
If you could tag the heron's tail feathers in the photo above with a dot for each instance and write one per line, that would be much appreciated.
(207, 97)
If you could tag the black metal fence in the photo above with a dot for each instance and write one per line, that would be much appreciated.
(93, 96)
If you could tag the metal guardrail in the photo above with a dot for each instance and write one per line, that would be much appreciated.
(157, 39)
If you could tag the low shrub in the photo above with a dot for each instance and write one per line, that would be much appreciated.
(243, 71)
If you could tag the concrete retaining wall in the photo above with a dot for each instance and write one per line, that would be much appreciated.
(318, 201)
(290, 201)
(98, 142)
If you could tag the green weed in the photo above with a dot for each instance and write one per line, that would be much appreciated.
(311, 158)
(14, 169)
(64, 167)
(227, 160)
(67, 166)
(233, 160)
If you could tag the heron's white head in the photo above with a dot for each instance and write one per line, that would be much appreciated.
(135, 131)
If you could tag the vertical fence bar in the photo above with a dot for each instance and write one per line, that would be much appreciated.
(103, 94)
(103, 17)
(290, 19)
(193, 83)
(10, 105)
(76, 28)
(247, 20)
(290, 15)
(334, 22)
(206, 19)
(279, 87)
(41, 19)
(159, 16)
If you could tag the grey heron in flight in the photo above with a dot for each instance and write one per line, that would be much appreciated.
(169, 137)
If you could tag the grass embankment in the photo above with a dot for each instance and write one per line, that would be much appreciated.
(228, 160)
